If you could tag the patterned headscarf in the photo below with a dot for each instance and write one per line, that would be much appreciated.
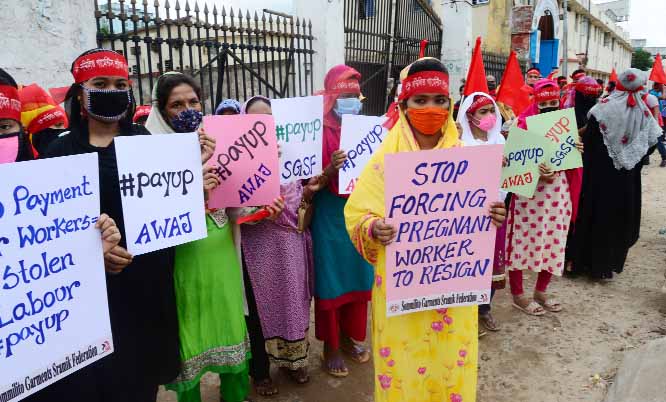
(227, 104)
(627, 125)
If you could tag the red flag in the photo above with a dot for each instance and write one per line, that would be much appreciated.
(658, 74)
(476, 76)
(58, 94)
(511, 91)
(613, 76)
(424, 45)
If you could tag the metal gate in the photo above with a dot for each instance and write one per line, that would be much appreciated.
(232, 54)
(384, 36)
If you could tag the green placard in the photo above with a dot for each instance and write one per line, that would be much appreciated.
(561, 130)
(524, 151)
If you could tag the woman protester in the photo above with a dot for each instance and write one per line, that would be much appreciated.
(537, 227)
(228, 107)
(140, 289)
(277, 256)
(14, 144)
(209, 289)
(43, 119)
(343, 279)
(620, 130)
(408, 367)
(481, 124)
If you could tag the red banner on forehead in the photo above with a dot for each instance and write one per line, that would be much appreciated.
(478, 103)
(99, 64)
(47, 119)
(10, 105)
(547, 94)
(588, 89)
(434, 82)
(346, 87)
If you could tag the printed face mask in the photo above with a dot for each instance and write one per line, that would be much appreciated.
(428, 121)
(348, 106)
(9, 147)
(187, 121)
(107, 105)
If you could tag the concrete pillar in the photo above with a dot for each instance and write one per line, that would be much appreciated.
(41, 38)
(327, 18)
(457, 42)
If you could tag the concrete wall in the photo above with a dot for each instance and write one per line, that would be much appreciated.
(41, 38)
(328, 29)
(458, 41)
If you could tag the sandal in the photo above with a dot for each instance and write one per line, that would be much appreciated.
(299, 376)
(550, 305)
(533, 309)
(266, 388)
(334, 367)
(489, 322)
(357, 353)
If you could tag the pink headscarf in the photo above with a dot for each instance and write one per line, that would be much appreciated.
(574, 176)
(331, 140)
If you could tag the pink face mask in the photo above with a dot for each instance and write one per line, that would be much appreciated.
(486, 123)
(9, 147)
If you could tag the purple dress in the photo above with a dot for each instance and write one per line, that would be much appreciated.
(279, 262)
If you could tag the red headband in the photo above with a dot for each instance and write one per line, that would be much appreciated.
(99, 64)
(578, 76)
(350, 86)
(425, 82)
(631, 100)
(588, 89)
(10, 105)
(536, 70)
(478, 103)
(547, 93)
(47, 119)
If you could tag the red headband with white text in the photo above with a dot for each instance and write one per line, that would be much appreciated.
(99, 64)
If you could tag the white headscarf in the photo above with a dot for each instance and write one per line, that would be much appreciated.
(627, 126)
(494, 134)
(155, 122)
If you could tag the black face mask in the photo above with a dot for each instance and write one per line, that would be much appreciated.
(549, 109)
(42, 139)
(107, 105)
(492, 86)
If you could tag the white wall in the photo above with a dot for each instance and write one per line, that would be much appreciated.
(328, 29)
(41, 38)
(458, 42)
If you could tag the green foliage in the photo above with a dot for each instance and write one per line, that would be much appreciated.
(641, 60)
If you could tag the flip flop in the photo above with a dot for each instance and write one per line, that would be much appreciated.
(266, 388)
(329, 367)
(531, 309)
(550, 305)
(488, 322)
(357, 353)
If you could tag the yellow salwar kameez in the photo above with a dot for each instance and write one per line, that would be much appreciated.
(427, 356)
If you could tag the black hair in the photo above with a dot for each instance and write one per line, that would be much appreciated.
(600, 82)
(611, 86)
(427, 65)
(561, 77)
(6, 79)
(166, 84)
(255, 100)
(73, 104)
(578, 71)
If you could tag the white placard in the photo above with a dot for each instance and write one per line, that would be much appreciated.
(361, 136)
(161, 186)
(299, 126)
(54, 315)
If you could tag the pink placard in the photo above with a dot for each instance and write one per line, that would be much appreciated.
(246, 160)
(439, 201)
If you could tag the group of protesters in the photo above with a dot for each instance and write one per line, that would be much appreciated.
(237, 303)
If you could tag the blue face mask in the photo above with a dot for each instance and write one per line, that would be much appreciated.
(348, 106)
(187, 121)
